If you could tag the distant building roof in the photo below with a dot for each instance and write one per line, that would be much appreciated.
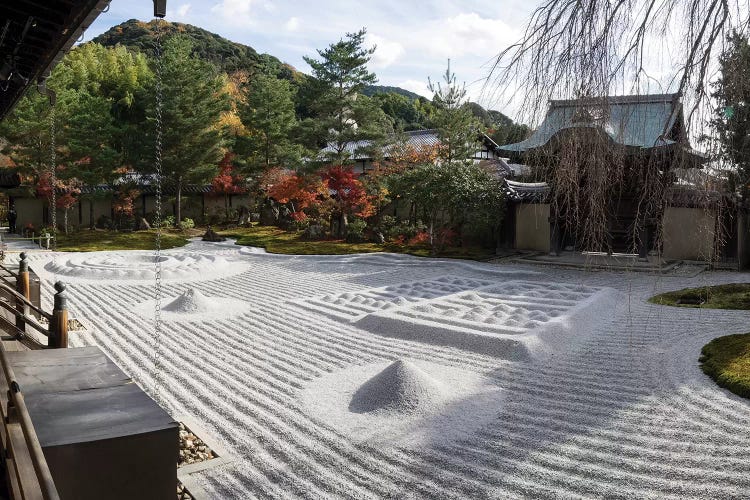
(498, 167)
(640, 121)
(687, 196)
(148, 189)
(361, 150)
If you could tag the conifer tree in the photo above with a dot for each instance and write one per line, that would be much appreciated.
(192, 105)
(458, 128)
(732, 116)
(269, 118)
(342, 114)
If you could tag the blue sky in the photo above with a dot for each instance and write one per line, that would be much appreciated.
(414, 38)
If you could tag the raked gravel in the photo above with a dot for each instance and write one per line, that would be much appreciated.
(626, 413)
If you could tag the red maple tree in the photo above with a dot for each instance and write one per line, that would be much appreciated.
(67, 192)
(298, 190)
(227, 182)
(347, 191)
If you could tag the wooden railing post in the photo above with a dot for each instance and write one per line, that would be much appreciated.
(22, 287)
(58, 325)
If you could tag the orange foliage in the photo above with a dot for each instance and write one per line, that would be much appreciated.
(301, 191)
(233, 86)
(123, 205)
(70, 189)
(227, 182)
(348, 191)
(404, 156)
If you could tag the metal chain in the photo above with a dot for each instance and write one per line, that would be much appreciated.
(53, 176)
(158, 207)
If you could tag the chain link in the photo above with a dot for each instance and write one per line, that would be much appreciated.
(158, 207)
(53, 175)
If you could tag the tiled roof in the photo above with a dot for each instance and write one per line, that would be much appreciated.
(639, 121)
(151, 190)
(526, 191)
(687, 196)
(361, 150)
(497, 167)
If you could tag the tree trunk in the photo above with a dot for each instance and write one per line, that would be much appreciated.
(343, 225)
(65, 219)
(433, 249)
(91, 213)
(178, 208)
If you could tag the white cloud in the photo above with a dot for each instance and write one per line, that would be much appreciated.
(292, 24)
(234, 11)
(181, 13)
(386, 53)
(417, 86)
(464, 34)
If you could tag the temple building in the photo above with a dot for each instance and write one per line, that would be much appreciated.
(606, 177)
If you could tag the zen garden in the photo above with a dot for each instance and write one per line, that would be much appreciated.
(329, 268)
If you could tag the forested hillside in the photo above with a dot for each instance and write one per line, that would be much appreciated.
(228, 56)
(408, 110)
(243, 122)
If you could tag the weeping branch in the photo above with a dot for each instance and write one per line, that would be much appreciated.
(596, 48)
(573, 48)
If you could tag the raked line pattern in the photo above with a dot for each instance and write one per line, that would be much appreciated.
(627, 414)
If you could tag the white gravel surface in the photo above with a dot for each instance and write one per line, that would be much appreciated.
(623, 413)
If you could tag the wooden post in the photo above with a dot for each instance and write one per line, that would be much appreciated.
(23, 288)
(58, 326)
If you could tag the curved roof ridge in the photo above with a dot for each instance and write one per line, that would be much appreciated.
(618, 99)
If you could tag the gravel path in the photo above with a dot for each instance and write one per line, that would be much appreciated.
(624, 413)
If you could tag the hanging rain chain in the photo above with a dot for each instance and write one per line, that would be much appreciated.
(158, 207)
(53, 176)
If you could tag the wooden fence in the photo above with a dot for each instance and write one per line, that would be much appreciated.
(27, 471)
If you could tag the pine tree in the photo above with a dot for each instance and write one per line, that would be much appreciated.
(457, 127)
(192, 105)
(342, 114)
(732, 116)
(269, 118)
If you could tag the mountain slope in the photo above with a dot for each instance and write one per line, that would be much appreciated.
(371, 90)
(226, 55)
(231, 56)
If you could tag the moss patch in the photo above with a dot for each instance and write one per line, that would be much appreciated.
(279, 241)
(93, 241)
(731, 296)
(727, 361)
(276, 240)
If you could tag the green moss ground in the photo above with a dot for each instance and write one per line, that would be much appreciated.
(730, 296)
(727, 361)
(92, 241)
(279, 241)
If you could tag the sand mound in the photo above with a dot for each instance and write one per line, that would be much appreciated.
(141, 265)
(192, 301)
(192, 305)
(401, 387)
(408, 404)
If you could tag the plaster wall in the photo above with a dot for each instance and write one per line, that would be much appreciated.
(532, 227)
